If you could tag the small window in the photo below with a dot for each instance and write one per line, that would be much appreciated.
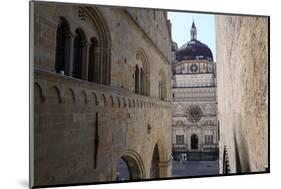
(208, 139)
(179, 139)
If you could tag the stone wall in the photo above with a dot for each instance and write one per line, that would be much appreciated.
(242, 80)
(155, 24)
(82, 129)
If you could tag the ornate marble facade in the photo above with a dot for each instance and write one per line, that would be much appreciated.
(194, 97)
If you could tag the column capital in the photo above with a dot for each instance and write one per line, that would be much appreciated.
(85, 43)
(105, 49)
(69, 34)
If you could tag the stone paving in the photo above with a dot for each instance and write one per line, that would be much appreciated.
(195, 168)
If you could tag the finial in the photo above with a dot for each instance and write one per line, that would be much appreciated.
(193, 24)
(193, 31)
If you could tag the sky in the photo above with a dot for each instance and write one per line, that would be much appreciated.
(205, 24)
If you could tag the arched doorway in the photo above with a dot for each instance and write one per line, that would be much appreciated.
(194, 142)
(154, 169)
(123, 172)
(129, 167)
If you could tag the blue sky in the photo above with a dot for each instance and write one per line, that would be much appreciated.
(205, 24)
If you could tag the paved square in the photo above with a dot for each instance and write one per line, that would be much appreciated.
(195, 168)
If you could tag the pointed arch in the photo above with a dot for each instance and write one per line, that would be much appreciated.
(104, 100)
(96, 102)
(129, 103)
(159, 159)
(71, 94)
(104, 46)
(38, 93)
(63, 30)
(144, 75)
(79, 53)
(55, 94)
(118, 101)
(134, 103)
(124, 102)
(135, 165)
(112, 101)
(83, 98)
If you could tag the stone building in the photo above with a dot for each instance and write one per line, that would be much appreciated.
(242, 80)
(194, 97)
(101, 93)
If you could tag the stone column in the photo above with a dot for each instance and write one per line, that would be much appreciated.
(101, 65)
(108, 74)
(109, 66)
(97, 65)
(139, 80)
(165, 168)
(85, 59)
(69, 38)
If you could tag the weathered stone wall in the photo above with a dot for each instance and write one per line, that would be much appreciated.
(66, 128)
(156, 26)
(127, 37)
(242, 80)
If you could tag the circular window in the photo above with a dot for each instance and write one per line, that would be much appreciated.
(194, 113)
(194, 68)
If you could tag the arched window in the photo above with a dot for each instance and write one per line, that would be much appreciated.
(93, 62)
(162, 86)
(62, 31)
(78, 53)
(137, 79)
(143, 85)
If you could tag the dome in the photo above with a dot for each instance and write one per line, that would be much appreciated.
(194, 50)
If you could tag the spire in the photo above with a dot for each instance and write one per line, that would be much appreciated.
(193, 31)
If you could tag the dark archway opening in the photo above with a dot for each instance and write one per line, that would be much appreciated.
(62, 30)
(154, 169)
(127, 169)
(78, 54)
(123, 172)
(92, 70)
(194, 142)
